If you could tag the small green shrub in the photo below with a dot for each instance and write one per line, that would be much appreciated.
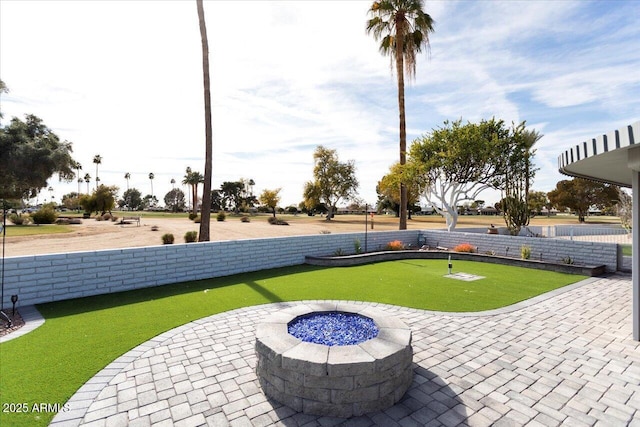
(525, 252)
(338, 252)
(46, 215)
(568, 260)
(221, 216)
(192, 216)
(190, 236)
(17, 219)
(167, 239)
(357, 247)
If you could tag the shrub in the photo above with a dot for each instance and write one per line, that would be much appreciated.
(190, 236)
(106, 217)
(18, 219)
(525, 252)
(464, 247)
(568, 260)
(192, 216)
(221, 216)
(276, 221)
(167, 239)
(395, 245)
(245, 218)
(45, 215)
(197, 220)
(338, 252)
(357, 247)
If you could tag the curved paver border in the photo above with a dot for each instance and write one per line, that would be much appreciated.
(32, 320)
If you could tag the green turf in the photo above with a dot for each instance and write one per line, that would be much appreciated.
(81, 336)
(31, 230)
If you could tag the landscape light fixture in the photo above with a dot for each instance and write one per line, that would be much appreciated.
(14, 300)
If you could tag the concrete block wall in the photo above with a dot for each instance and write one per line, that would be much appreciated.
(45, 278)
(553, 250)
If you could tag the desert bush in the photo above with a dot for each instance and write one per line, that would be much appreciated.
(464, 247)
(245, 218)
(17, 219)
(197, 220)
(46, 215)
(277, 221)
(395, 245)
(167, 239)
(338, 252)
(106, 216)
(190, 236)
(525, 252)
(192, 216)
(221, 216)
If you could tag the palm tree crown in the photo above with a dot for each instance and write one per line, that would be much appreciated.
(97, 159)
(403, 29)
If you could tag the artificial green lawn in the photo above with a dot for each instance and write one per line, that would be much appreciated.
(82, 336)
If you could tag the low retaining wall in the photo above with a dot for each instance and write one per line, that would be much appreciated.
(351, 260)
(542, 249)
(45, 278)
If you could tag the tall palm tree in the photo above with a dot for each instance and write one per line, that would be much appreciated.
(97, 159)
(403, 29)
(151, 176)
(87, 179)
(127, 176)
(208, 166)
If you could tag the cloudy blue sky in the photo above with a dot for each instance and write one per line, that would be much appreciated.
(123, 80)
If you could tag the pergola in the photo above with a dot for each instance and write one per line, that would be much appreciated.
(614, 158)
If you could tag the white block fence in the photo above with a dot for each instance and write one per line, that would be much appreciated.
(45, 278)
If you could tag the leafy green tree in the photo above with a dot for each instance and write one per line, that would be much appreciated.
(216, 201)
(270, 198)
(71, 200)
(232, 195)
(174, 200)
(149, 201)
(333, 180)
(389, 185)
(101, 201)
(581, 194)
(457, 162)
(30, 155)
(131, 199)
(537, 201)
(403, 29)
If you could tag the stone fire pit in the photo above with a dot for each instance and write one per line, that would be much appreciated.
(337, 380)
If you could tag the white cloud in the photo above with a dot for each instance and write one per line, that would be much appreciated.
(123, 79)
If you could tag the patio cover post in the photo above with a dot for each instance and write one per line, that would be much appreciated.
(634, 165)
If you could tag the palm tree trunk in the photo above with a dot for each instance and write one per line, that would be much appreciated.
(403, 125)
(206, 196)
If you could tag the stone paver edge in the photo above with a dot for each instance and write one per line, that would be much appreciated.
(32, 320)
(81, 400)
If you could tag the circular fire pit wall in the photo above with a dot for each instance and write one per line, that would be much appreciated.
(334, 380)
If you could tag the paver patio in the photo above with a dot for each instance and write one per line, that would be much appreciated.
(566, 357)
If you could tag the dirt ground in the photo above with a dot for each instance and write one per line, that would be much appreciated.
(99, 235)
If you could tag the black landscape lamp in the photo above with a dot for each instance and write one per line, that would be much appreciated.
(14, 300)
